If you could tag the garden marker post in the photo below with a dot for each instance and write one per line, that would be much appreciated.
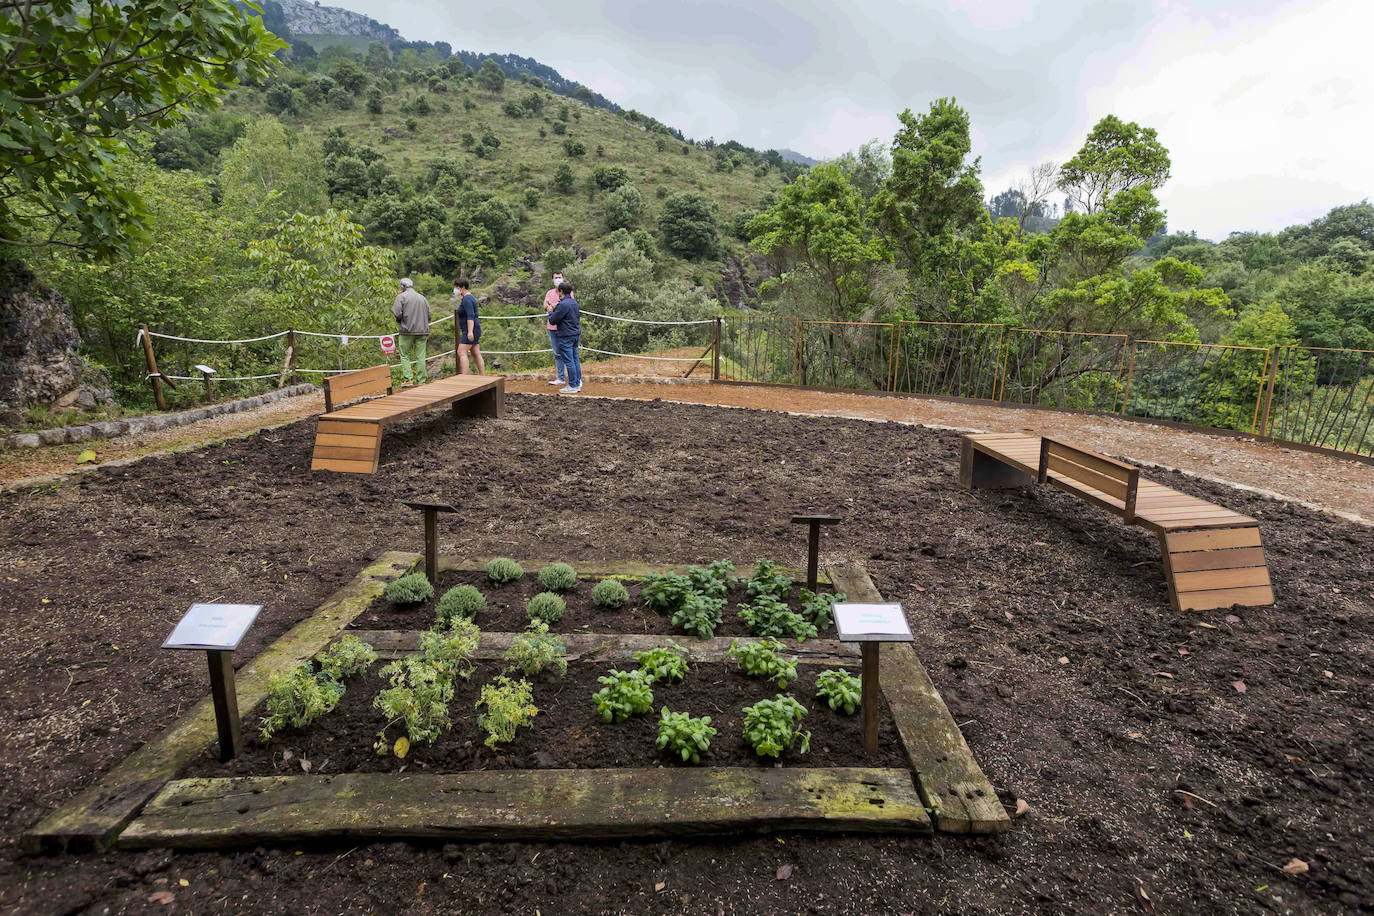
(218, 629)
(715, 357)
(431, 511)
(869, 625)
(152, 367)
(813, 544)
(208, 376)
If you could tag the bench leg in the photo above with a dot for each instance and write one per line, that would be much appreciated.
(980, 470)
(1214, 568)
(489, 403)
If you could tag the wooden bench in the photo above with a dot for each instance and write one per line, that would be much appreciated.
(1213, 557)
(349, 439)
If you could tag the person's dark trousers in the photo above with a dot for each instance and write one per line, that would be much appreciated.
(567, 351)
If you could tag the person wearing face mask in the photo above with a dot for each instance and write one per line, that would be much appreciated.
(566, 319)
(550, 300)
(470, 327)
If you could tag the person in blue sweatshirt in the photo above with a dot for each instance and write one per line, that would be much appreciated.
(566, 320)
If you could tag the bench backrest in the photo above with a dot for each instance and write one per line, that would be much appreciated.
(349, 386)
(1107, 475)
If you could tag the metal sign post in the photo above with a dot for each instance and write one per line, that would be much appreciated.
(871, 625)
(431, 511)
(813, 545)
(218, 629)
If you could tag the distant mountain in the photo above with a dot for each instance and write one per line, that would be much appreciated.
(791, 155)
(307, 17)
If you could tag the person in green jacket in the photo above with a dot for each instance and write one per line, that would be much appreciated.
(412, 332)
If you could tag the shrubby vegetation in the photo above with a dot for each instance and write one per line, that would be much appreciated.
(842, 691)
(535, 651)
(772, 726)
(558, 577)
(610, 593)
(761, 659)
(625, 694)
(509, 705)
(547, 607)
(502, 570)
(409, 589)
(460, 602)
(683, 736)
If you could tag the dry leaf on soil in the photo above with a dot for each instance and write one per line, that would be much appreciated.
(1022, 807)
(165, 898)
(1295, 867)
(784, 872)
(1240, 686)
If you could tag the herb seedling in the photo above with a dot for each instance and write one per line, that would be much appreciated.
(665, 663)
(770, 726)
(665, 592)
(411, 589)
(768, 581)
(418, 697)
(840, 689)
(761, 659)
(819, 608)
(509, 706)
(535, 650)
(683, 736)
(625, 694)
(768, 616)
(347, 657)
(699, 615)
(297, 697)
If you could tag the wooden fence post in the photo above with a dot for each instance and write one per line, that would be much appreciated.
(288, 364)
(153, 374)
(715, 358)
(1130, 373)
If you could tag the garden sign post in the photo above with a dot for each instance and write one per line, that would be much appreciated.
(813, 544)
(218, 629)
(869, 625)
(431, 511)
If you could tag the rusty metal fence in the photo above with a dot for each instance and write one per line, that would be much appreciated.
(1305, 395)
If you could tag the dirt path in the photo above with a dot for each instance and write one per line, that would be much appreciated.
(1318, 481)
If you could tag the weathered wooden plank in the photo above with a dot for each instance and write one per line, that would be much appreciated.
(367, 454)
(1103, 483)
(340, 464)
(94, 817)
(345, 441)
(1221, 578)
(1234, 558)
(1257, 596)
(1118, 470)
(528, 804)
(1212, 540)
(613, 647)
(594, 569)
(329, 425)
(953, 786)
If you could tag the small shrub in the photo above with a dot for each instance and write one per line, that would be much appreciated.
(411, 589)
(625, 694)
(610, 593)
(347, 657)
(840, 689)
(535, 650)
(462, 602)
(714, 580)
(546, 606)
(509, 706)
(770, 726)
(502, 570)
(297, 697)
(558, 577)
(761, 659)
(418, 697)
(665, 592)
(682, 736)
(768, 581)
(451, 650)
(699, 615)
(768, 616)
(665, 663)
(820, 609)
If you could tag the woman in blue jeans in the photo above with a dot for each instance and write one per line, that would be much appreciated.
(566, 320)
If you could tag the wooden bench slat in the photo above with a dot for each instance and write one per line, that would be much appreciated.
(338, 464)
(1231, 558)
(1203, 580)
(348, 454)
(347, 441)
(1118, 470)
(1225, 597)
(1212, 540)
(1103, 483)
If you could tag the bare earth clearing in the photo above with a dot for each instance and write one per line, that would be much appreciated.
(1185, 757)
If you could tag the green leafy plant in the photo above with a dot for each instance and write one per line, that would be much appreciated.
(610, 593)
(768, 616)
(297, 697)
(347, 657)
(546, 606)
(664, 663)
(462, 602)
(770, 726)
(714, 580)
(411, 589)
(418, 697)
(683, 736)
(502, 570)
(665, 592)
(535, 650)
(761, 659)
(699, 615)
(509, 706)
(451, 651)
(766, 580)
(840, 689)
(625, 694)
(820, 608)
(558, 577)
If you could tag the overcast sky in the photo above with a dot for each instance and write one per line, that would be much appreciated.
(1266, 106)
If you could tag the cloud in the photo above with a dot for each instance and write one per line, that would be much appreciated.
(1260, 103)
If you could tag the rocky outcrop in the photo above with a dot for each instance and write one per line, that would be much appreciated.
(305, 18)
(39, 365)
(739, 280)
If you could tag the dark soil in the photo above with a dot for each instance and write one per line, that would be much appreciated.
(506, 612)
(567, 732)
(1179, 787)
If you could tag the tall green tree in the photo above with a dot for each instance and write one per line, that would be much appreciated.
(1117, 156)
(80, 81)
(271, 172)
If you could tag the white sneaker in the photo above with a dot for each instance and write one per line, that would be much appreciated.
(568, 389)
(557, 381)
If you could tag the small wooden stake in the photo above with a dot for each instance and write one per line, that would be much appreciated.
(431, 512)
(813, 544)
(209, 386)
(869, 651)
(152, 368)
(226, 703)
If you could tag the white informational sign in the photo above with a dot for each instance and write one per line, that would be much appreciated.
(871, 623)
(213, 626)
(205, 370)
(388, 344)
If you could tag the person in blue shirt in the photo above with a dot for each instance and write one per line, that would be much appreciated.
(469, 327)
(566, 320)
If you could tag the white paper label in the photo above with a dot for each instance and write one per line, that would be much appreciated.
(213, 626)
